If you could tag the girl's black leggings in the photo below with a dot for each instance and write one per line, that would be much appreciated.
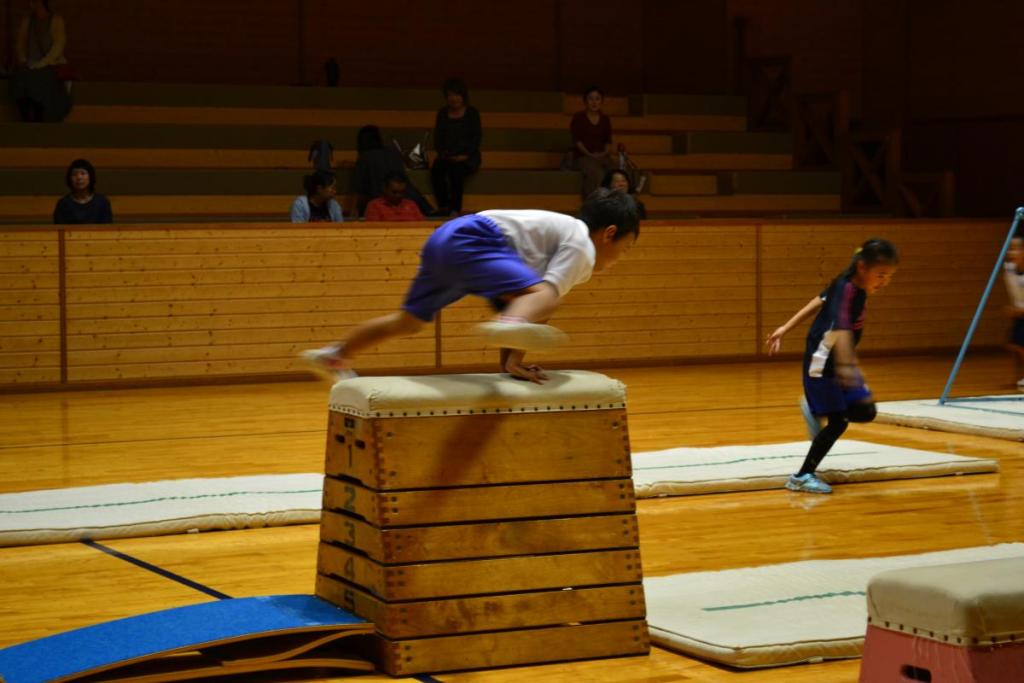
(830, 433)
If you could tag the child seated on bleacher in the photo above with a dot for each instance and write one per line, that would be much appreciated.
(83, 204)
(618, 179)
(318, 204)
(392, 204)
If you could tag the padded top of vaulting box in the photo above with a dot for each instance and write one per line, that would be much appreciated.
(473, 394)
(967, 603)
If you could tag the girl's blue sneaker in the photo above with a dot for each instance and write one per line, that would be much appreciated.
(807, 483)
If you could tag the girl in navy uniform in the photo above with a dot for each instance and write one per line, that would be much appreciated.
(834, 388)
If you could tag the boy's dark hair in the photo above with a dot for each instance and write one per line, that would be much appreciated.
(85, 166)
(606, 181)
(457, 86)
(606, 207)
(873, 252)
(368, 138)
(592, 88)
(317, 179)
(394, 177)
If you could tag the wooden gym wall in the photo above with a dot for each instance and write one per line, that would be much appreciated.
(130, 304)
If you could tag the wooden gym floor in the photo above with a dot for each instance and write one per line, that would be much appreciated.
(54, 440)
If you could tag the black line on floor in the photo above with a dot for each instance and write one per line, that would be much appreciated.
(167, 574)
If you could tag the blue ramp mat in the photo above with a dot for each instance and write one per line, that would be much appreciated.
(223, 637)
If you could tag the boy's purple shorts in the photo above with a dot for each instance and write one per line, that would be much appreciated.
(825, 395)
(467, 255)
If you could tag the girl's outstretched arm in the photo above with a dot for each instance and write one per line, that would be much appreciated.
(774, 340)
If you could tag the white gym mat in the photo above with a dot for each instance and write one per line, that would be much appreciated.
(779, 614)
(999, 416)
(688, 471)
(182, 505)
(159, 507)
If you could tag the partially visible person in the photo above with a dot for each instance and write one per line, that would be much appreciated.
(457, 137)
(318, 204)
(321, 155)
(35, 85)
(82, 204)
(392, 204)
(591, 131)
(617, 179)
(374, 163)
(1014, 279)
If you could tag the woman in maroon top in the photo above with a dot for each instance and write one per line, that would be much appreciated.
(591, 140)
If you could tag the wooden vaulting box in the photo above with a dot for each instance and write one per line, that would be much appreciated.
(481, 521)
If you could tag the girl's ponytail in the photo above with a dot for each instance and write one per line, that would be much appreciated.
(873, 252)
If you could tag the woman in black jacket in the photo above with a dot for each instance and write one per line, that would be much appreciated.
(457, 136)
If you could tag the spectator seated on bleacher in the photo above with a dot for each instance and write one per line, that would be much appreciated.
(591, 131)
(318, 204)
(392, 204)
(37, 84)
(618, 179)
(457, 137)
(82, 204)
(374, 163)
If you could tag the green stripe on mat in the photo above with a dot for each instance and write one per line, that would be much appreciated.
(751, 459)
(798, 598)
(160, 500)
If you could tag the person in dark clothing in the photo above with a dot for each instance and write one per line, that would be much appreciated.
(374, 164)
(591, 131)
(457, 135)
(82, 204)
(321, 155)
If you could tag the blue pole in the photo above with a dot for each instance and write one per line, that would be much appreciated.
(981, 304)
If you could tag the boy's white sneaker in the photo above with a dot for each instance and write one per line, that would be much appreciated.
(516, 333)
(327, 363)
(1020, 384)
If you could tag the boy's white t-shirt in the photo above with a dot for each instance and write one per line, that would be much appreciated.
(556, 246)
